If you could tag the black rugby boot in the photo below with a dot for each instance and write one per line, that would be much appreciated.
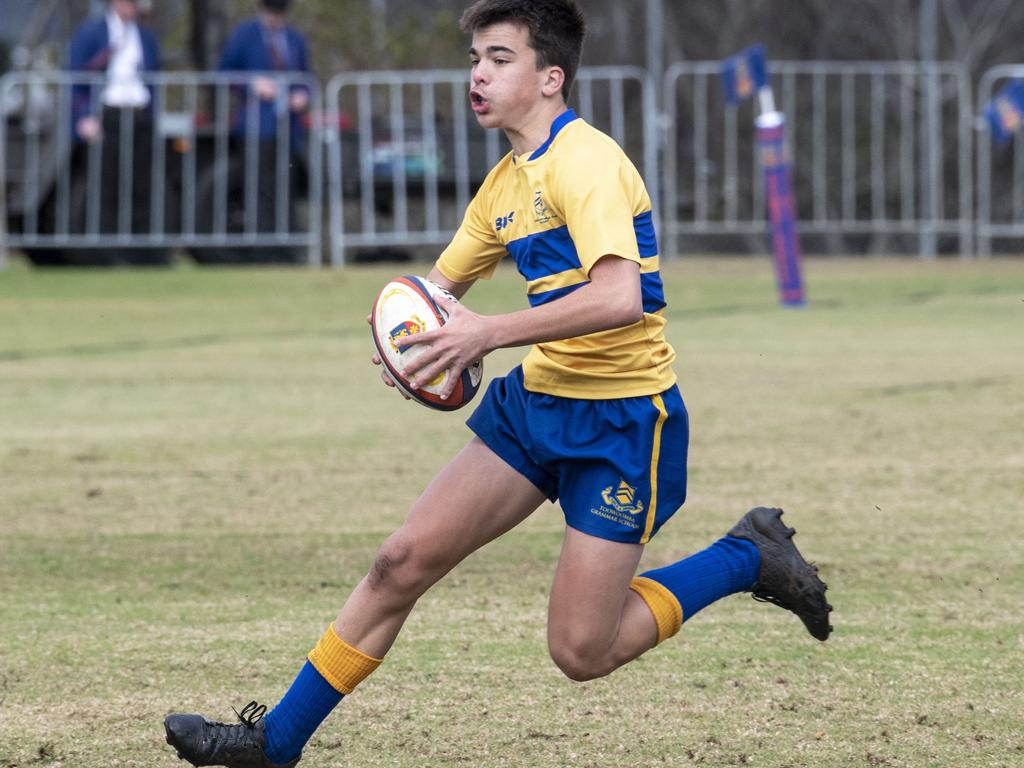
(236, 745)
(785, 578)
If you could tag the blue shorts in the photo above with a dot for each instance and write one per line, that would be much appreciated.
(617, 467)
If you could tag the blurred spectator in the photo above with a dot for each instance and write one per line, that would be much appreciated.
(115, 44)
(268, 44)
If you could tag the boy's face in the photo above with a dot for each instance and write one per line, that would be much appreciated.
(505, 84)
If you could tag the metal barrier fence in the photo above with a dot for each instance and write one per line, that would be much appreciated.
(186, 172)
(874, 146)
(405, 146)
(1000, 172)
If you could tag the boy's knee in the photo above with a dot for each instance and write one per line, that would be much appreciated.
(401, 567)
(392, 567)
(578, 662)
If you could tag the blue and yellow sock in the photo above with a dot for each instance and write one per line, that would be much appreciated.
(333, 670)
(676, 592)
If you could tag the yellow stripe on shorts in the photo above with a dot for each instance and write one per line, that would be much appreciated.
(652, 509)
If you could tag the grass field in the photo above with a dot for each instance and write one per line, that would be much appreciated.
(196, 466)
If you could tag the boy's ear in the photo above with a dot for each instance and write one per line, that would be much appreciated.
(553, 81)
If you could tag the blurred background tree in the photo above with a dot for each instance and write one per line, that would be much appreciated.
(419, 34)
(422, 34)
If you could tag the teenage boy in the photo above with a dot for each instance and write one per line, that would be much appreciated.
(592, 417)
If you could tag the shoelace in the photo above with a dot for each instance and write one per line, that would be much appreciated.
(251, 713)
(767, 597)
(229, 736)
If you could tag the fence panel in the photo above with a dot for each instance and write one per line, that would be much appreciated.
(185, 172)
(1000, 174)
(405, 153)
(874, 147)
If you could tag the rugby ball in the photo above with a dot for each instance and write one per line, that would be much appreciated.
(406, 306)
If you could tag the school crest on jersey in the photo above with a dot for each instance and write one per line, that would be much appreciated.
(541, 213)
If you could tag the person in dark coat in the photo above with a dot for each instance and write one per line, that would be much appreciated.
(117, 113)
(268, 44)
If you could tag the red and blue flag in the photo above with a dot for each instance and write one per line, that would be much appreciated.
(744, 74)
(1005, 113)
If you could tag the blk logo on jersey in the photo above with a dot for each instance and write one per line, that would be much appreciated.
(502, 222)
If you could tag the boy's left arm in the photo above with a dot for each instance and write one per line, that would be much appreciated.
(611, 299)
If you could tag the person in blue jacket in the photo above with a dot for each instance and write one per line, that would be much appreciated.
(267, 44)
(118, 112)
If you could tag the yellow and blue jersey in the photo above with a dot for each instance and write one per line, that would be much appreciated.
(574, 200)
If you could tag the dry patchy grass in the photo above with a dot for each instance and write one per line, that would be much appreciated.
(197, 466)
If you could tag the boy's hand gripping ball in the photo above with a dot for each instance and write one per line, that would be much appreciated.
(406, 306)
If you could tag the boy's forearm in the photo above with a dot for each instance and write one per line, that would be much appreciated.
(580, 313)
(610, 300)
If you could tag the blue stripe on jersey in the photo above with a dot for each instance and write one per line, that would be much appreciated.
(646, 240)
(651, 287)
(560, 122)
(536, 299)
(547, 253)
(544, 253)
(652, 291)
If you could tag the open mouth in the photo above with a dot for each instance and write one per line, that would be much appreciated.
(478, 102)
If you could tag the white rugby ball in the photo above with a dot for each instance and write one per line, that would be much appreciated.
(406, 306)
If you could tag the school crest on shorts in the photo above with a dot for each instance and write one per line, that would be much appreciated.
(623, 498)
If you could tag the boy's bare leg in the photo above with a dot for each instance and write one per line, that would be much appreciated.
(473, 500)
(600, 617)
(596, 623)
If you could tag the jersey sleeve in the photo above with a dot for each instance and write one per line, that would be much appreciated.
(599, 197)
(475, 251)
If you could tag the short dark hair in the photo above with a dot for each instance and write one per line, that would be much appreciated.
(556, 29)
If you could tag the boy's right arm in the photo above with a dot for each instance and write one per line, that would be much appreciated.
(458, 289)
(471, 241)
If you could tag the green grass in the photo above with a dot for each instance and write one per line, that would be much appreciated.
(196, 466)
